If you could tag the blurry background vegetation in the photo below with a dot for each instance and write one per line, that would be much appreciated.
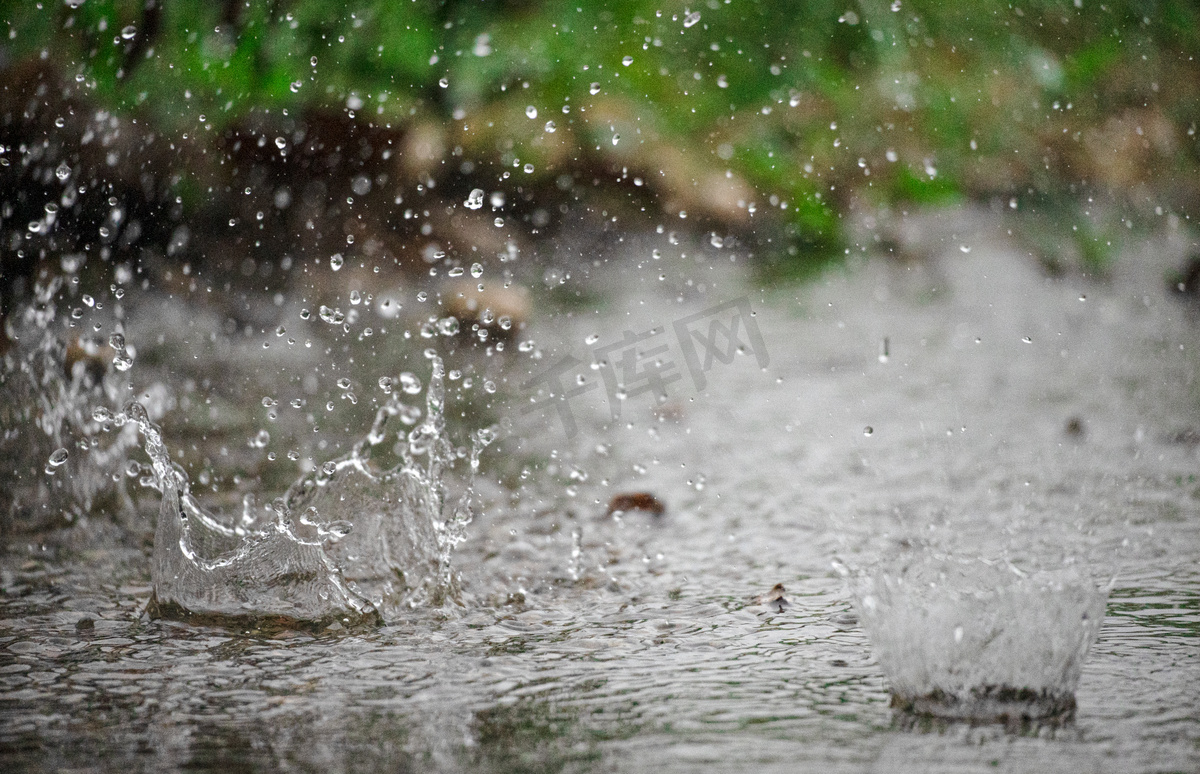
(193, 130)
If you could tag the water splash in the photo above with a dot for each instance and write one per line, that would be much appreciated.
(368, 545)
(57, 460)
(976, 639)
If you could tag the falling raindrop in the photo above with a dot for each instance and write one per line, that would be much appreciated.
(531, 111)
(62, 171)
(550, 127)
(868, 430)
(477, 270)
(474, 200)
(336, 261)
(57, 460)
(616, 139)
(628, 60)
(128, 32)
(691, 19)
(594, 88)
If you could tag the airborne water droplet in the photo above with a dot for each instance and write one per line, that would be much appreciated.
(628, 60)
(336, 261)
(477, 270)
(57, 460)
(594, 88)
(62, 171)
(531, 111)
(128, 32)
(868, 430)
(691, 19)
(550, 127)
(474, 200)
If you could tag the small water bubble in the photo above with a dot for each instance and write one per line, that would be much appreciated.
(295, 87)
(489, 386)
(1027, 339)
(101, 414)
(691, 19)
(280, 143)
(550, 127)
(474, 200)
(269, 402)
(35, 226)
(592, 338)
(531, 111)
(387, 384)
(964, 248)
(293, 455)
(305, 314)
(355, 297)
(343, 383)
(62, 171)
(616, 138)
(594, 88)
(329, 468)
(336, 261)
(868, 430)
(477, 270)
(499, 222)
(528, 169)
(128, 32)
(422, 296)
(627, 60)
(297, 403)
(57, 459)
(443, 82)
(448, 326)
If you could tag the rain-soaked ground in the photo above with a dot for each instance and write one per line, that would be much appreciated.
(965, 404)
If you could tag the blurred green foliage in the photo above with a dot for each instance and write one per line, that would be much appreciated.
(814, 104)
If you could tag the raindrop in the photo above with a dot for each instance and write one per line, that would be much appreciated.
(964, 248)
(332, 316)
(128, 32)
(343, 383)
(628, 60)
(868, 430)
(489, 387)
(691, 19)
(550, 127)
(499, 222)
(474, 200)
(448, 326)
(295, 87)
(531, 111)
(594, 88)
(477, 270)
(62, 171)
(528, 168)
(336, 261)
(457, 271)
(1027, 340)
(443, 82)
(616, 139)
(280, 143)
(57, 460)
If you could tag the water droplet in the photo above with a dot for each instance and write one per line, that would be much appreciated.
(627, 60)
(387, 383)
(531, 111)
(868, 430)
(474, 200)
(280, 143)
(457, 271)
(448, 326)
(550, 127)
(57, 459)
(331, 316)
(269, 402)
(410, 383)
(499, 222)
(62, 171)
(964, 248)
(477, 270)
(716, 241)
(616, 139)
(528, 168)
(592, 338)
(343, 383)
(1027, 340)
(691, 19)
(489, 387)
(594, 88)
(116, 341)
(128, 32)
(295, 87)
(443, 82)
